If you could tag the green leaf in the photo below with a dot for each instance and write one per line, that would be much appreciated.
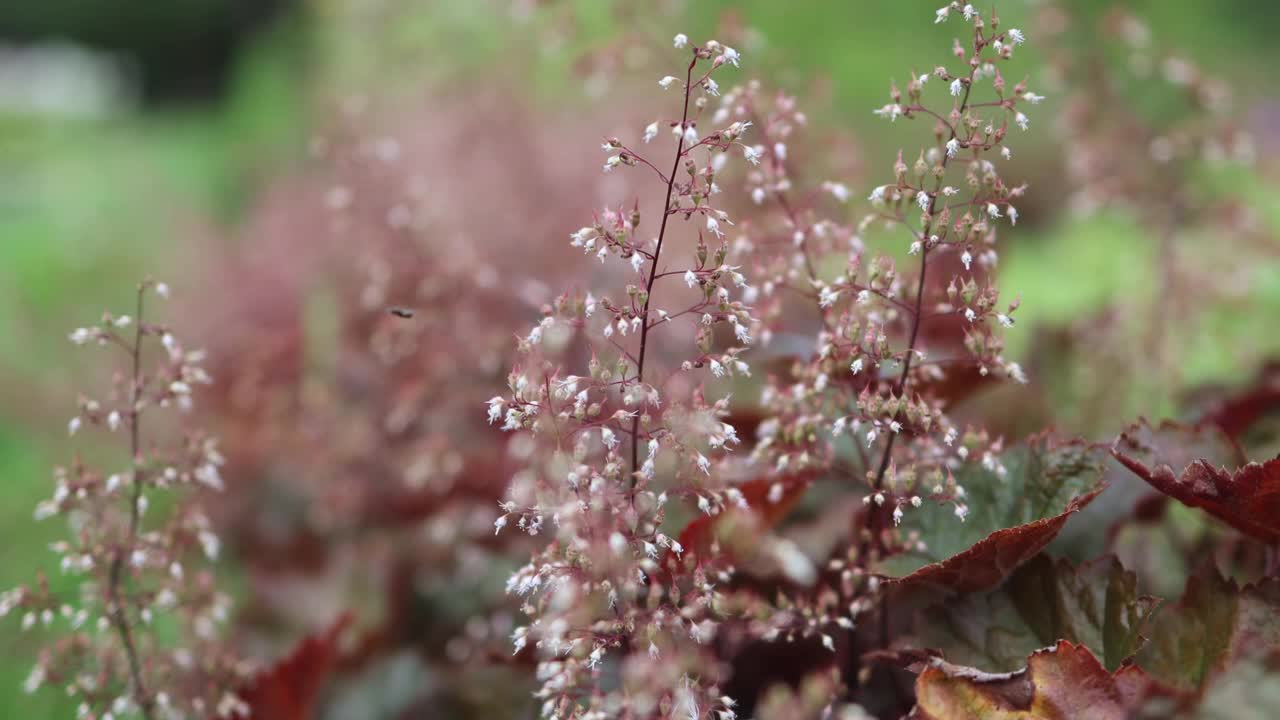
(1214, 625)
(1096, 605)
(1012, 516)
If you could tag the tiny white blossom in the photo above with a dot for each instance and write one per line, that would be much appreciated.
(731, 56)
(1022, 120)
(941, 15)
(751, 153)
(680, 40)
(877, 194)
(1016, 37)
(838, 190)
(1032, 98)
(704, 464)
(953, 147)
(690, 278)
(957, 87)
(650, 131)
(1005, 320)
(666, 81)
(856, 366)
(967, 259)
(993, 210)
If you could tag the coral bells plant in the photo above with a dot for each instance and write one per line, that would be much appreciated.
(889, 336)
(143, 573)
(634, 430)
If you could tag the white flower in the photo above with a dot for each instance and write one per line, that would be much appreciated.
(691, 134)
(608, 438)
(80, 336)
(941, 15)
(957, 87)
(877, 194)
(856, 367)
(970, 315)
(967, 259)
(1005, 320)
(950, 191)
(1021, 120)
(953, 147)
(495, 408)
(690, 278)
(1032, 98)
(680, 40)
(969, 12)
(162, 289)
(838, 190)
(717, 369)
(1005, 152)
(1013, 215)
(752, 154)
(891, 111)
(705, 466)
(1016, 37)
(113, 420)
(915, 248)
(962, 511)
(922, 199)
(73, 425)
(897, 516)
(666, 81)
(731, 56)
(993, 210)
(650, 131)
(714, 226)
(612, 162)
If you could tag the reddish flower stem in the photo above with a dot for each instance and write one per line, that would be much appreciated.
(653, 272)
(118, 617)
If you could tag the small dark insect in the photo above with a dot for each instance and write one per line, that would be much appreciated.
(401, 312)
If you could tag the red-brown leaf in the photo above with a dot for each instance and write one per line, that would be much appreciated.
(1248, 499)
(1063, 682)
(288, 690)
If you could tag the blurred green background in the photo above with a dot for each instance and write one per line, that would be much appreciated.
(131, 130)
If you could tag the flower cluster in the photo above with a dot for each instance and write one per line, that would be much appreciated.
(139, 571)
(633, 432)
(870, 398)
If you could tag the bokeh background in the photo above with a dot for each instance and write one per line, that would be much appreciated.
(169, 140)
